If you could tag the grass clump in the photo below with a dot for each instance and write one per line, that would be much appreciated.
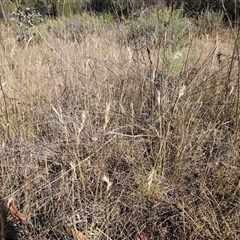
(119, 137)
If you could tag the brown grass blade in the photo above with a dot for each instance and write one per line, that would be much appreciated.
(27, 180)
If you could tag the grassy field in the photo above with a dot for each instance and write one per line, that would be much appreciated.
(116, 130)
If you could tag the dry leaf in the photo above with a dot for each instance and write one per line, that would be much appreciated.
(143, 236)
(75, 233)
(15, 212)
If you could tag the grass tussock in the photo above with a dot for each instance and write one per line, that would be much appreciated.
(122, 128)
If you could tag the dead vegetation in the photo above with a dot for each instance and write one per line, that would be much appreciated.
(108, 132)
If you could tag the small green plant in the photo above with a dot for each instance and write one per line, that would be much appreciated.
(108, 18)
(156, 27)
(27, 18)
(210, 21)
(177, 61)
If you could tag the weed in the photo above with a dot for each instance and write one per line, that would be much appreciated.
(125, 128)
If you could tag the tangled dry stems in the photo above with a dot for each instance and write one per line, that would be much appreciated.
(165, 137)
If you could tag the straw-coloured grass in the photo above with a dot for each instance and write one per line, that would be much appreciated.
(118, 136)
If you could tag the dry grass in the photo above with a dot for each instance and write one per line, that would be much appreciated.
(123, 133)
